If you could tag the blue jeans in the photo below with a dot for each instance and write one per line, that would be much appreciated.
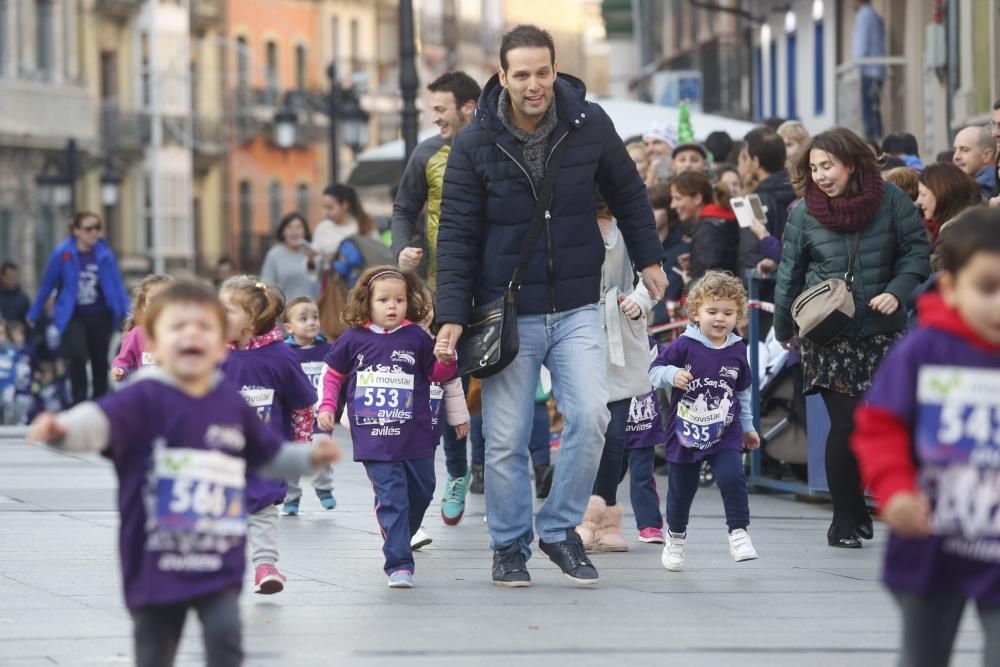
(571, 344)
(682, 484)
(642, 487)
(871, 107)
(541, 454)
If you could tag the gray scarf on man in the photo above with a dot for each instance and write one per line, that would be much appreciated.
(534, 145)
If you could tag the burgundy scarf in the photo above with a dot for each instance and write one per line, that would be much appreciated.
(847, 214)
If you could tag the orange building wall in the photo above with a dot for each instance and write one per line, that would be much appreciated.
(287, 23)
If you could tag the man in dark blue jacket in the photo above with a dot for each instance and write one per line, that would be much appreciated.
(496, 166)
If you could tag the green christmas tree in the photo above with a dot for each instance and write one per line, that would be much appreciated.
(685, 133)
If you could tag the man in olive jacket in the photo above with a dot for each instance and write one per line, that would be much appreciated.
(496, 166)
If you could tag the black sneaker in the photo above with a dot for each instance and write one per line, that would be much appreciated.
(477, 482)
(571, 558)
(510, 568)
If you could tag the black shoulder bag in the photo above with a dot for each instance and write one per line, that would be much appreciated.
(490, 341)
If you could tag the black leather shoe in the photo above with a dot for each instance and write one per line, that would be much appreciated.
(571, 558)
(841, 541)
(510, 569)
(865, 530)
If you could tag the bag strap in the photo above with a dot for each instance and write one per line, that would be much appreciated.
(849, 276)
(539, 215)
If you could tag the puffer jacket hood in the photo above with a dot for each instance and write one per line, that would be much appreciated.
(489, 197)
(571, 102)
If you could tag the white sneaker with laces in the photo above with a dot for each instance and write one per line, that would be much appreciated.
(420, 539)
(673, 552)
(740, 546)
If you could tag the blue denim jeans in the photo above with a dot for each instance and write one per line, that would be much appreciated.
(571, 344)
(539, 444)
(871, 107)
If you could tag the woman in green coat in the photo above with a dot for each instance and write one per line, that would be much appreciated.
(844, 196)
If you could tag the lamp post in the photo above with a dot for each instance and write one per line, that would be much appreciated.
(57, 181)
(111, 185)
(345, 114)
(408, 81)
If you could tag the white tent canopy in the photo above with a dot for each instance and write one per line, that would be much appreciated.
(383, 165)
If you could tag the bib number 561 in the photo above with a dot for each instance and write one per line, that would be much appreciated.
(203, 498)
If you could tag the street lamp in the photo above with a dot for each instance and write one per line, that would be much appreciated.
(54, 189)
(56, 182)
(111, 186)
(285, 127)
(343, 110)
(353, 121)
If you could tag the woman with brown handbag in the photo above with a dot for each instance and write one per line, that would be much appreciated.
(844, 197)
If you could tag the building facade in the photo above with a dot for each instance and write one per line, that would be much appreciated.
(44, 105)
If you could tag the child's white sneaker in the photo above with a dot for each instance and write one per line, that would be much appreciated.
(673, 552)
(740, 546)
(420, 539)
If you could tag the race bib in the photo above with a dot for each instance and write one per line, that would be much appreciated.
(437, 395)
(200, 492)
(957, 439)
(261, 399)
(958, 415)
(381, 397)
(314, 371)
(701, 420)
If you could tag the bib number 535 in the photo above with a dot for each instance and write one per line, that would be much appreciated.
(697, 433)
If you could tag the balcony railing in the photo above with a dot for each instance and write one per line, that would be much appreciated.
(126, 132)
(205, 13)
(120, 9)
(893, 107)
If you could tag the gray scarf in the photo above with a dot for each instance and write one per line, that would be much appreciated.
(534, 145)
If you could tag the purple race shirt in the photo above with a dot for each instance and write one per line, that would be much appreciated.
(948, 393)
(388, 393)
(705, 419)
(182, 464)
(311, 361)
(270, 379)
(645, 425)
(89, 298)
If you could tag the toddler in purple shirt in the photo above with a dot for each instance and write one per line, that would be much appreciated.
(182, 482)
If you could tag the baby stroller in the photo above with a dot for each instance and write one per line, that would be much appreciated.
(784, 443)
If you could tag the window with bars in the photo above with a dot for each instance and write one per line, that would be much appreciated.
(44, 38)
(272, 72)
(302, 200)
(300, 67)
(274, 201)
(4, 20)
(245, 214)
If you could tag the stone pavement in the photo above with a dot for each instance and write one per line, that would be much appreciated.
(801, 603)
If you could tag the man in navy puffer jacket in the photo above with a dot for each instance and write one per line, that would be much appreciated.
(496, 166)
